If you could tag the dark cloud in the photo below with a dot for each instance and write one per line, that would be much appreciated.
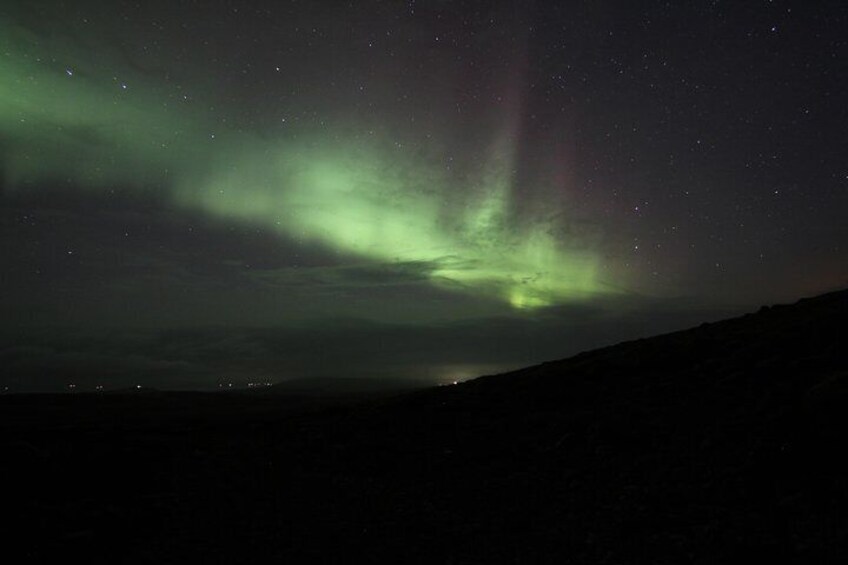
(190, 358)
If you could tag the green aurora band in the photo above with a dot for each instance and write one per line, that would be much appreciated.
(62, 119)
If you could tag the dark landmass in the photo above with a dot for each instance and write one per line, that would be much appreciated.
(342, 387)
(719, 444)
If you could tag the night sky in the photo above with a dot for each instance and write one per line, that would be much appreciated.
(202, 192)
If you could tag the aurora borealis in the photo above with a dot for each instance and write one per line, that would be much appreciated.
(324, 169)
(361, 198)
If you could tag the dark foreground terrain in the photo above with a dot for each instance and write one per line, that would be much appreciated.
(724, 443)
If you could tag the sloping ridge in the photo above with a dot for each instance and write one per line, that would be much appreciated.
(792, 352)
(806, 336)
(716, 444)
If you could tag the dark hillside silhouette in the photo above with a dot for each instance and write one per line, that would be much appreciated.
(723, 443)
